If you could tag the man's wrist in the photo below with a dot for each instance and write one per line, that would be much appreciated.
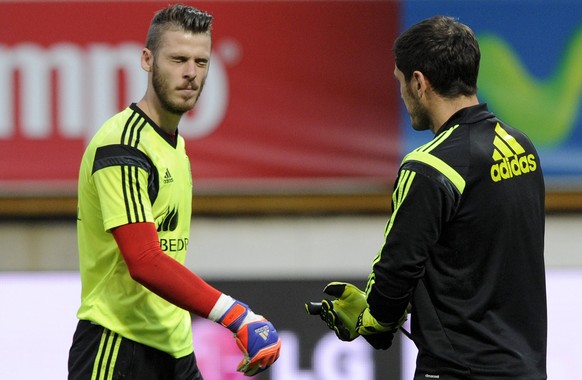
(223, 303)
(231, 313)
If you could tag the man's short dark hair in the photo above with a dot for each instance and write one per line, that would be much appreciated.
(445, 51)
(177, 17)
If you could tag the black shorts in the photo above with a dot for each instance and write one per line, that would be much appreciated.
(100, 354)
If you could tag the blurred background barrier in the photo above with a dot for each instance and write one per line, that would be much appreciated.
(37, 320)
(22, 207)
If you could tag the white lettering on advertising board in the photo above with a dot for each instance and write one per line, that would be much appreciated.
(85, 89)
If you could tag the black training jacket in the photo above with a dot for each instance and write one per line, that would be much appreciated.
(465, 246)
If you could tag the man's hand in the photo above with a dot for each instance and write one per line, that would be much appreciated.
(341, 314)
(255, 336)
(378, 334)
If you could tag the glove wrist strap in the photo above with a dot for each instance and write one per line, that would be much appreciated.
(223, 303)
(231, 313)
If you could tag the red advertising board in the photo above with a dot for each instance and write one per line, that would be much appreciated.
(298, 92)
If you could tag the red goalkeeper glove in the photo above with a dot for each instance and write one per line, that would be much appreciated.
(255, 336)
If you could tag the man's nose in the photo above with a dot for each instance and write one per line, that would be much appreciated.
(190, 70)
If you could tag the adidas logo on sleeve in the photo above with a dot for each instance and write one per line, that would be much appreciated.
(510, 157)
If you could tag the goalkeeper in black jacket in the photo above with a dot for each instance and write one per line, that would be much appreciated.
(463, 250)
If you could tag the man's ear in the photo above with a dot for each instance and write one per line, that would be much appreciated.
(420, 83)
(147, 59)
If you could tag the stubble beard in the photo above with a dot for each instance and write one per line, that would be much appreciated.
(162, 89)
(419, 117)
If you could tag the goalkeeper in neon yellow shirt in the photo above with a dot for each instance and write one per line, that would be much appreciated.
(134, 212)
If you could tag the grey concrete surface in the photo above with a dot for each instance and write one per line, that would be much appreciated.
(261, 247)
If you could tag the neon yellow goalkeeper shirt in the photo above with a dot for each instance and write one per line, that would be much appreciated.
(133, 172)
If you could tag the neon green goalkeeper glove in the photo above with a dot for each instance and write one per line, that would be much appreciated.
(341, 314)
(378, 334)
